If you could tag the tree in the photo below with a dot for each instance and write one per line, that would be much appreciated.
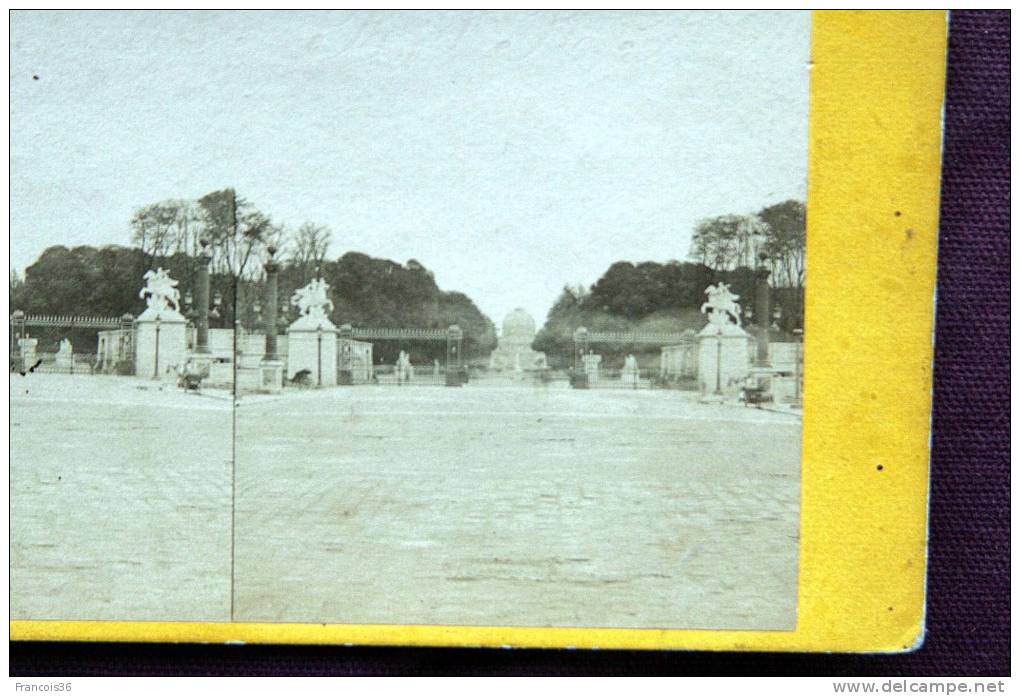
(556, 336)
(728, 241)
(238, 236)
(234, 229)
(786, 249)
(372, 292)
(786, 239)
(310, 244)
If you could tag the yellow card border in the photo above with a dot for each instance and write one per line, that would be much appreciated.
(875, 136)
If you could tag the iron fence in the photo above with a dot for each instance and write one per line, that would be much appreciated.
(416, 375)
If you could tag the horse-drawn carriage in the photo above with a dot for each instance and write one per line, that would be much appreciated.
(757, 390)
(191, 374)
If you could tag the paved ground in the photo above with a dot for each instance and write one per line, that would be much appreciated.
(120, 500)
(516, 506)
(479, 505)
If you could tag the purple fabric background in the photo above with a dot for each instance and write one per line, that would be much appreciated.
(968, 577)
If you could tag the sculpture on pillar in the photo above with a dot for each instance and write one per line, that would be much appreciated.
(312, 342)
(160, 291)
(160, 337)
(721, 306)
(723, 357)
(313, 299)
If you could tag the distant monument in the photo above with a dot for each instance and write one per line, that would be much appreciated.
(514, 350)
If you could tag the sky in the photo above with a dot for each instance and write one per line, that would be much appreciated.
(511, 153)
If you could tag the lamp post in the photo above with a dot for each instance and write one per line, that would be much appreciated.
(718, 362)
(797, 362)
(318, 371)
(155, 366)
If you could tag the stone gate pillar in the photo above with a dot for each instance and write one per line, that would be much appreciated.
(124, 362)
(723, 362)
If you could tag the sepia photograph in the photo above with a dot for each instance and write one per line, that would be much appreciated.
(444, 318)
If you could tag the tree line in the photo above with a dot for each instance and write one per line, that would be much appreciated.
(366, 291)
(375, 292)
(666, 297)
(774, 236)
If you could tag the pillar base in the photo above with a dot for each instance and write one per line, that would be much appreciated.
(271, 376)
(724, 362)
(312, 347)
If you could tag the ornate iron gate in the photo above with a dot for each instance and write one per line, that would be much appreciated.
(403, 371)
(589, 373)
(114, 351)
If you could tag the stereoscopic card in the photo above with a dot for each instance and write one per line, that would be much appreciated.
(531, 328)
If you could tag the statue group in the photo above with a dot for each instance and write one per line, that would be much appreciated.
(65, 355)
(403, 368)
(721, 306)
(630, 373)
(313, 299)
(160, 291)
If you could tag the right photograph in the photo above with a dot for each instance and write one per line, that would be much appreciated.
(570, 394)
